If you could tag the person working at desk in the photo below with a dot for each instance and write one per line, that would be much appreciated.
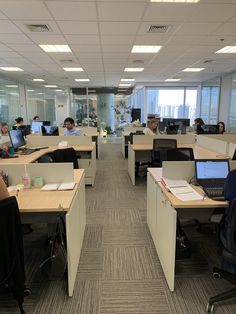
(69, 123)
(152, 128)
(35, 118)
(199, 123)
(221, 126)
(19, 122)
(4, 128)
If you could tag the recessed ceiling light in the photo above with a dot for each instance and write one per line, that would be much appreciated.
(124, 85)
(145, 49)
(30, 90)
(58, 90)
(82, 80)
(55, 48)
(193, 69)
(127, 80)
(172, 80)
(50, 86)
(13, 86)
(176, 1)
(15, 69)
(134, 69)
(40, 93)
(227, 49)
(73, 69)
(38, 80)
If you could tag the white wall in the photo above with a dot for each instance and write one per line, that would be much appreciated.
(225, 98)
(62, 108)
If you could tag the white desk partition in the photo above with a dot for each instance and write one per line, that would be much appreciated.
(54, 140)
(212, 144)
(181, 139)
(51, 173)
(227, 137)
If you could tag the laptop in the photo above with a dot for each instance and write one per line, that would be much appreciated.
(211, 175)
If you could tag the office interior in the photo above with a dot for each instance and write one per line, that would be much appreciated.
(119, 269)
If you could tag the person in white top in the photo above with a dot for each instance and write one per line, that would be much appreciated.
(152, 128)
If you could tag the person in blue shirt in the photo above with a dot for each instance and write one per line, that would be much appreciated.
(69, 123)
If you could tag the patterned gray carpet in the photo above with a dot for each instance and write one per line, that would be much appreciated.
(119, 271)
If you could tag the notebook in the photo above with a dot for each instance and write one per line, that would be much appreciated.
(211, 175)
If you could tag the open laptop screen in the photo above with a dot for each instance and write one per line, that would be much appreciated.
(211, 169)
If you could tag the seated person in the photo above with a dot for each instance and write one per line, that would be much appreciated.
(19, 122)
(69, 123)
(35, 118)
(4, 128)
(152, 128)
(199, 123)
(221, 126)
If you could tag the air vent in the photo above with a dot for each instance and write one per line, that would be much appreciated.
(39, 28)
(158, 29)
(66, 61)
(209, 61)
(138, 61)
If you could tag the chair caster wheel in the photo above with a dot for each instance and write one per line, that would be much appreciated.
(216, 275)
(210, 308)
(27, 292)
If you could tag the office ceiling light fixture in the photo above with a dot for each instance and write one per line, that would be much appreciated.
(193, 69)
(227, 49)
(73, 69)
(13, 86)
(127, 80)
(145, 49)
(176, 1)
(50, 86)
(38, 80)
(11, 69)
(173, 80)
(82, 80)
(124, 85)
(55, 48)
(30, 90)
(134, 69)
(58, 90)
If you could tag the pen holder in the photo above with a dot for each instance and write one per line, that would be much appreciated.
(26, 180)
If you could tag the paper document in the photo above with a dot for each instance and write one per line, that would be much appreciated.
(58, 186)
(181, 189)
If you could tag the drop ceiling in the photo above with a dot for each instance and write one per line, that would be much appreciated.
(102, 33)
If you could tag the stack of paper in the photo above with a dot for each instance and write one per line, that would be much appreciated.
(181, 189)
(58, 186)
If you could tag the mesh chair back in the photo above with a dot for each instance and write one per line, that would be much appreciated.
(132, 134)
(180, 154)
(66, 155)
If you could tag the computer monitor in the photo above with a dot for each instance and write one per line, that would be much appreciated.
(17, 138)
(183, 121)
(26, 129)
(210, 128)
(172, 129)
(36, 126)
(211, 169)
(49, 130)
(46, 122)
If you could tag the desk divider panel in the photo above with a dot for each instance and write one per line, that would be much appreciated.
(51, 173)
(85, 130)
(181, 139)
(55, 140)
(179, 170)
(227, 137)
(212, 144)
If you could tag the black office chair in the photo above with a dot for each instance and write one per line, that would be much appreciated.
(12, 269)
(180, 154)
(228, 251)
(159, 150)
(138, 164)
(66, 155)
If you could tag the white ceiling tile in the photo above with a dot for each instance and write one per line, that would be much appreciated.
(83, 39)
(48, 39)
(74, 27)
(114, 55)
(116, 40)
(7, 27)
(14, 39)
(120, 11)
(117, 48)
(167, 12)
(226, 29)
(118, 28)
(151, 39)
(85, 48)
(22, 48)
(88, 61)
(19, 10)
(69, 10)
(197, 28)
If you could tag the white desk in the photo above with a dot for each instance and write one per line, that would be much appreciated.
(162, 219)
(42, 206)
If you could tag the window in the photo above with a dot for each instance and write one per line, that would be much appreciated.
(172, 102)
(209, 104)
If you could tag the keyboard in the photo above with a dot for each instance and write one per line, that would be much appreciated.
(27, 151)
(214, 192)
